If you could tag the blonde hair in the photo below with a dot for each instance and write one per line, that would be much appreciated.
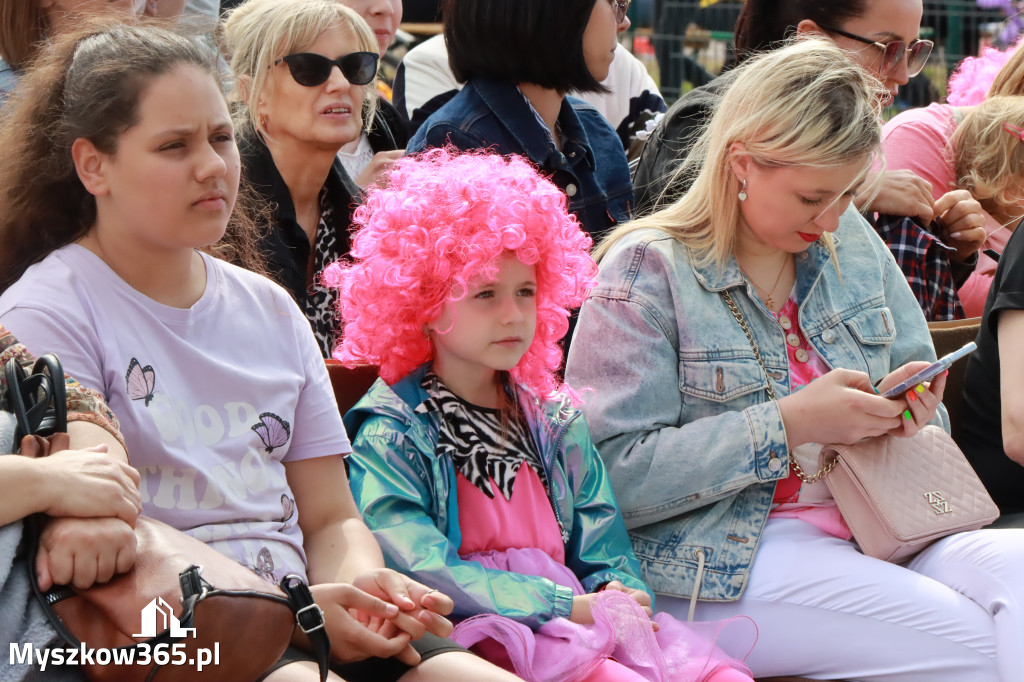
(805, 104)
(260, 32)
(989, 160)
(1010, 79)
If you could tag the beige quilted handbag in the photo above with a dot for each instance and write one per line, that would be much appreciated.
(898, 495)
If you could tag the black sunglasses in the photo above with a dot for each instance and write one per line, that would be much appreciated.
(311, 69)
(917, 52)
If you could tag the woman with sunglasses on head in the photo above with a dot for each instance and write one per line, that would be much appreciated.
(518, 59)
(879, 35)
(305, 86)
(733, 333)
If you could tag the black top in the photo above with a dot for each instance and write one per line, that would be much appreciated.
(980, 435)
(671, 141)
(286, 246)
(390, 130)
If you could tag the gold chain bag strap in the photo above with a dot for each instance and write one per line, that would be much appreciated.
(793, 464)
(897, 495)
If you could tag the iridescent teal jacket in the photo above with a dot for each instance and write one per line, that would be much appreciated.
(407, 496)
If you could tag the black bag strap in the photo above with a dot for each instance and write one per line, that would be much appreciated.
(310, 618)
(38, 400)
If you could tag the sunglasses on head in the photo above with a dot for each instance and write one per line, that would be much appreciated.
(917, 52)
(311, 69)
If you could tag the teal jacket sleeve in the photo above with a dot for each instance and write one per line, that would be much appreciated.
(402, 503)
(598, 550)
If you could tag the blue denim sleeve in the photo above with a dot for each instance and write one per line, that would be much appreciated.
(396, 496)
(626, 349)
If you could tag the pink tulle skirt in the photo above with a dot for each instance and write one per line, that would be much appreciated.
(563, 651)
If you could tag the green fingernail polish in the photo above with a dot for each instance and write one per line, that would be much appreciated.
(906, 414)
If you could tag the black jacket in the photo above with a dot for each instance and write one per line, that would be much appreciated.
(670, 142)
(286, 246)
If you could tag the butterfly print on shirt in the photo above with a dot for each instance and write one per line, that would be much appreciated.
(272, 430)
(141, 381)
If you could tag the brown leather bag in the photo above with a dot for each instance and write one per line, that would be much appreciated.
(184, 611)
(236, 624)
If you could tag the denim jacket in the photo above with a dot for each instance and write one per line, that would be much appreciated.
(679, 410)
(591, 168)
(407, 496)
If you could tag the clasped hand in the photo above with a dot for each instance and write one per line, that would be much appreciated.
(379, 614)
(843, 407)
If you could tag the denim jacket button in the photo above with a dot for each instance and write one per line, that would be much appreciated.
(571, 189)
(828, 336)
(774, 464)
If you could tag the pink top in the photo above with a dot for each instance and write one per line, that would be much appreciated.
(526, 520)
(918, 140)
(805, 365)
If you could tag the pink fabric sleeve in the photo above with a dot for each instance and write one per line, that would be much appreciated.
(917, 140)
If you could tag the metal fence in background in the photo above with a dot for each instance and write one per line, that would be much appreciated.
(686, 45)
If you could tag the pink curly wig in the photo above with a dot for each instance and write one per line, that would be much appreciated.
(442, 220)
(972, 78)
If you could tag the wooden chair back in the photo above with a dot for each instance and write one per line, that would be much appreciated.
(350, 384)
(947, 337)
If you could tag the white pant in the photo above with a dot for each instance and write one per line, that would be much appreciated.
(824, 610)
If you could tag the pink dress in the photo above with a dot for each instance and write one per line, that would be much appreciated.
(522, 535)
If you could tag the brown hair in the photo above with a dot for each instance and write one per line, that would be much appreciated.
(86, 84)
(23, 27)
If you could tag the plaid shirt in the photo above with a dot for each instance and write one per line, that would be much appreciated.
(924, 259)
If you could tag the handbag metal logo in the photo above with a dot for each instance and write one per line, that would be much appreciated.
(937, 502)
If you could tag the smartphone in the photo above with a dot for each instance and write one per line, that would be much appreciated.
(931, 371)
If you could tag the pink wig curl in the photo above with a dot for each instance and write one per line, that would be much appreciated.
(442, 220)
(972, 78)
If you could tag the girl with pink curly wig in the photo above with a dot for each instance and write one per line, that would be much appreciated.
(470, 462)
(443, 221)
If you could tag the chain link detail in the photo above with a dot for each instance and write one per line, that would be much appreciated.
(793, 464)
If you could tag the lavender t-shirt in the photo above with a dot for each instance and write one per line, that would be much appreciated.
(213, 400)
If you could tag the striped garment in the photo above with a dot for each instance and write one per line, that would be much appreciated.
(472, 436)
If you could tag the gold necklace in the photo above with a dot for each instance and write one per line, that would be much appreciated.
(768, 301)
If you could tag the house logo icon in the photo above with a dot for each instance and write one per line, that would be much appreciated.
(158, 616)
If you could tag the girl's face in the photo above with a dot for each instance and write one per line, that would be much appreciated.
(324, 117)
(789, 208)
(884, 21)
(172, 182)
(491, 327)
(383, 16)
(599, 39)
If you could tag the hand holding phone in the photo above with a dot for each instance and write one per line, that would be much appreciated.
(931, 371)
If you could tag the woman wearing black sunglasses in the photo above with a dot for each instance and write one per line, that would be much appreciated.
(306, 75)
(880, 35)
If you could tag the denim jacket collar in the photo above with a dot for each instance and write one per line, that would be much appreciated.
(515, 112)
(809, 264)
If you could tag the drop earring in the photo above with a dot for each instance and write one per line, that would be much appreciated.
(743, 190)
(263, 121)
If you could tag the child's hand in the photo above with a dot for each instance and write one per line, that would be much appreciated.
(639, 596)
(420, 608)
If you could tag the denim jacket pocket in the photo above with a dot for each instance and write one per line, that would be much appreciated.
(874, 331)
(719, 379)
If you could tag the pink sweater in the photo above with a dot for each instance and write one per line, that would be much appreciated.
(918, 140)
